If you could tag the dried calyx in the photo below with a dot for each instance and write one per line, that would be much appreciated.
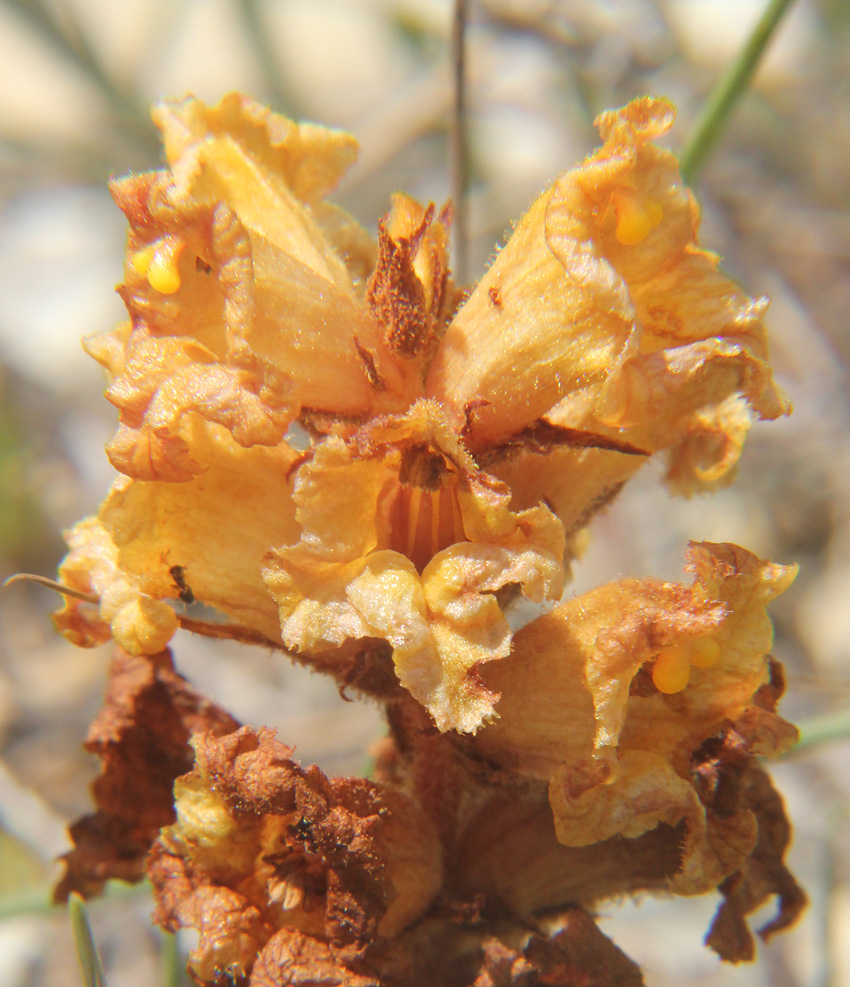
(456, 449)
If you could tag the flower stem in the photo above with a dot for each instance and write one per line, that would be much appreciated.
(729, 89)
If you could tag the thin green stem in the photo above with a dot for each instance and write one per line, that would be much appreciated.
(90, 966)
(171, 964)
(39, 900)
(730, 88)
(823, 729)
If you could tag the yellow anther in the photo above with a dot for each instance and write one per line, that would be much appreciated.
(141, 259)
(672, 669)
(705, 652)
(636, 215)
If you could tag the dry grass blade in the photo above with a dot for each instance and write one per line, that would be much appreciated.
(90, 967)
(459, 144)
(729, 90)
(30, 577)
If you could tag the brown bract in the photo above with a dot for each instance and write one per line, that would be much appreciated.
(142, 739)
(261, 844)
(326, 442)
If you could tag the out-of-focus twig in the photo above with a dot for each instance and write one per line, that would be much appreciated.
(279, 94)
(74, 45)
(459, 143)
(823, 729)
(730, 88)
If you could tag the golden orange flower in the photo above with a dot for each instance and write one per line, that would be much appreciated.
(322, 439)
(601, 333)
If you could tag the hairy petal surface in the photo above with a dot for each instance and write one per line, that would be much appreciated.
(609, 696)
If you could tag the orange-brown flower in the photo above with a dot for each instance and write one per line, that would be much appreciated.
(450, 453)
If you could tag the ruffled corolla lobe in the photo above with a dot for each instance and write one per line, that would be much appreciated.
(610, 702)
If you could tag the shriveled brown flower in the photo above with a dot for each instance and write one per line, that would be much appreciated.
(322, 438)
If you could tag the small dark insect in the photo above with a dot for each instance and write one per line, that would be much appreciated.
(178, 574)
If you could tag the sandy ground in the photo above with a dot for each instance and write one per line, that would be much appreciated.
(775, 199)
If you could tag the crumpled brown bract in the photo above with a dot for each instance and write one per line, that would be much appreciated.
(325, 441)
(142, 739)
(448, 450)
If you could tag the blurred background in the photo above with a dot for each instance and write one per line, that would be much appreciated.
(76, 78)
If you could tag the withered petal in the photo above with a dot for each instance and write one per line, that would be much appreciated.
(579, 955)
(142, 739)
(291, 959)
(343, 860)
(762, 876)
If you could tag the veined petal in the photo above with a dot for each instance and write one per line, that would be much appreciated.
(216, 527)
(400, 494)
(530, 333)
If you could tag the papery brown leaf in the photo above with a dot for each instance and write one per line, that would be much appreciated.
(763, 875)
(142, 738)
(291, 959)
(577, 956)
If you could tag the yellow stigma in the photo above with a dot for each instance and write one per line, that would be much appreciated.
(141, 259)
(705, 652)
(636, 215)
(672, 669)
(158, 262)
(163, 273)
